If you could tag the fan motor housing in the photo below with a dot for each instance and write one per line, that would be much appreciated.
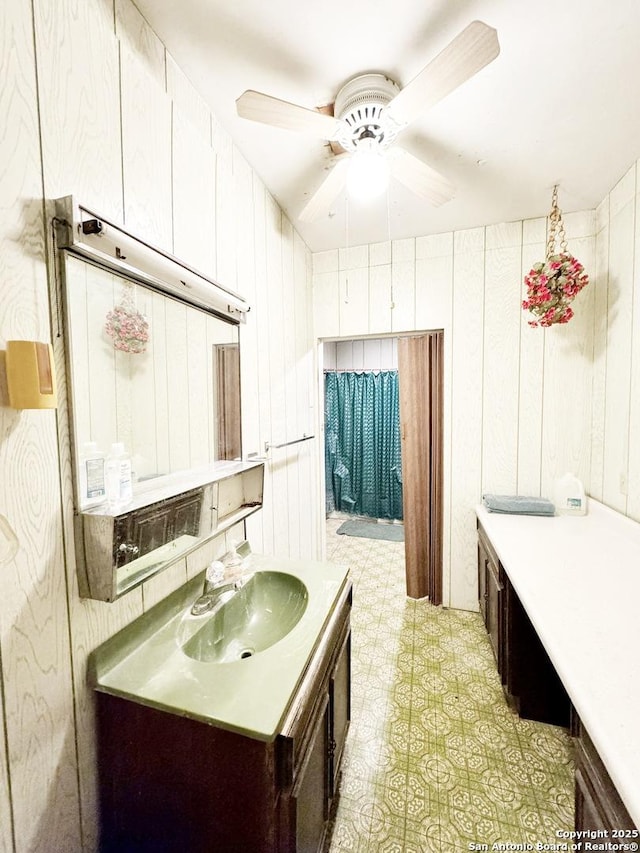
(360, 105)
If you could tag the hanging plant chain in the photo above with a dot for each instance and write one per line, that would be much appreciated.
(556, 227)
(554, 284)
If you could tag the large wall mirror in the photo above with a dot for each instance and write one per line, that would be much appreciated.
(167, 387)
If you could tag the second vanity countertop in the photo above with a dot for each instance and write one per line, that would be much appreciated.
(144, 662)
(578, 578)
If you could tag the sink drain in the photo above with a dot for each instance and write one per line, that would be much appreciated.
(246, 653)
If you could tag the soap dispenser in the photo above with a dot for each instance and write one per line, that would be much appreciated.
(118, 477)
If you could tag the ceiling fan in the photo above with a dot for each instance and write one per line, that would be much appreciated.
(369, 112)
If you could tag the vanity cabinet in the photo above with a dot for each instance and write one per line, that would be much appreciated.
(598, 804)
(491, 589)
(530, 682)
(172, 783)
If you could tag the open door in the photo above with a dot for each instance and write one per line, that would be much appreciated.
(420, 368)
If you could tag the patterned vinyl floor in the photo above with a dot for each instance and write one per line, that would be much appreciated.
(435, 761)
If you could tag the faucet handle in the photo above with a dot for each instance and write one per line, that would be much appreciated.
(215, 572)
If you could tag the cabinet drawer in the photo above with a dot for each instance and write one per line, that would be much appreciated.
(598, 804)
(301, 721)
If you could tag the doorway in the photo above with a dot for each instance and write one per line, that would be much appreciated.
(414, 362)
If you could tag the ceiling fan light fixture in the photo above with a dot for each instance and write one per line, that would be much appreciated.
(368, 175)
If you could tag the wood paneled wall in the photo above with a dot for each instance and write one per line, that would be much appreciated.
(517, 400)
(92, 105)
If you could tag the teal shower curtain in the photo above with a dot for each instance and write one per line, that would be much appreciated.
(363, 466)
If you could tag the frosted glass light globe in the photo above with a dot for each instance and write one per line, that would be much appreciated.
(368, 175)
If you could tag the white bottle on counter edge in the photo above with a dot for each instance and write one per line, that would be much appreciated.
(118, 477)
(569, 497)
(92, 476)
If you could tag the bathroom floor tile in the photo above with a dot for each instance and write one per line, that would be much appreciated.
(435, 759)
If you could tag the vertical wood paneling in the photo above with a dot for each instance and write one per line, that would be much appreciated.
(403, 282)
(194, 195)
(306, 378)
(293, 430)
(164, 583)
(137, 37)
(263, 324)
(531, 369)
(78, 83)
(98, 117)
(619, 328)
(225, 210)
(277, 383)
(37, 756)
(633, 478)
(354, 299)
(380, 299)
(326, 304)
(146, 154)
(501, 361)
(600, 284)
(465, 425)
(188, 101)
(434, 271)
(243, 182)
(568, 369)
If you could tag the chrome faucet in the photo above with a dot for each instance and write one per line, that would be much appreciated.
(216, 589)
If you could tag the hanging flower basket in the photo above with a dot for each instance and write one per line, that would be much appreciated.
(553, 284)
(127, 327)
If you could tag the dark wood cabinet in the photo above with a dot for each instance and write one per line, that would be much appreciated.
(530, 682)
(598, 804)
(491, 588)
(170, 784)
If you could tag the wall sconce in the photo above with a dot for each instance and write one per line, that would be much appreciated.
(31, 377)
(82, 232)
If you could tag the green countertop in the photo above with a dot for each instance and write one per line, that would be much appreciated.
(144, 661)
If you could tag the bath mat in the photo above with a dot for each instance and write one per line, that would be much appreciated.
(372, 530)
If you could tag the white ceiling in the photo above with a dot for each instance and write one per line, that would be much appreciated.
(560, 104)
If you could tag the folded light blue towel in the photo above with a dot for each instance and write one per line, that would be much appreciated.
(518, 505)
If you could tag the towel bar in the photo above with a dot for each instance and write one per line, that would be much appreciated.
(268, 446)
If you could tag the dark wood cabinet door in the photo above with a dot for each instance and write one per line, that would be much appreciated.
(311, 793)
(598, 804)
(340, 711)
(483, 568)
(494, 611)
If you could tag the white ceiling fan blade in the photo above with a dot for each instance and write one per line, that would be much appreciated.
(419, 177)
(269, 110)
(321, 201)
(476, 46)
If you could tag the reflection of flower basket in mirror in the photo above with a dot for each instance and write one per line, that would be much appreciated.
(126, 326)
(553, 284)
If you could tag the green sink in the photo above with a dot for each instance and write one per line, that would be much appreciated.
(259, 614)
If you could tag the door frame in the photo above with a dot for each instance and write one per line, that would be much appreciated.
(434, 577)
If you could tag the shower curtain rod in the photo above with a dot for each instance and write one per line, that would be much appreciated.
(359, 369)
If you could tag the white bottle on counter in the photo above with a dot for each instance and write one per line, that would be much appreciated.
(118, 477)
(569, 497)
(92, 476)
